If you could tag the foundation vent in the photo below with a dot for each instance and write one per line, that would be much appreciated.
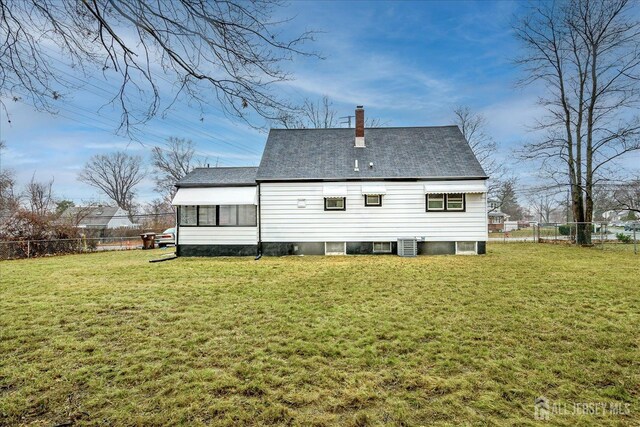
(407, 247)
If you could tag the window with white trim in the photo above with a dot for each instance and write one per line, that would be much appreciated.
(435, 202)
(381, 247)
(455, 202)
(334, 203)
(335, 248)
(466, 248)
(189, 215)
(373, 200)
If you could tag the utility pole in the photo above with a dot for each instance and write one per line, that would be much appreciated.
(348, 121)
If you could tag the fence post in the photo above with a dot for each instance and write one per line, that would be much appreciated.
(28, 248)
(602, 235)
(635, 241)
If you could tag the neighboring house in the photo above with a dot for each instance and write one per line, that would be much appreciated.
(496, 218)
(330, 191)
(616, 216)
(97, 218)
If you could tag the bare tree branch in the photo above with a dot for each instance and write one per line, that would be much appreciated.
(229, 51)
(172, 163)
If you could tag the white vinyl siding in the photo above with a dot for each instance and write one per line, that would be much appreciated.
(401, 215)
(218, 235)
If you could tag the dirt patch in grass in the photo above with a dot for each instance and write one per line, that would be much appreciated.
(112, 339)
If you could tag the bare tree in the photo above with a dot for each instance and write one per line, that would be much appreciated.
(39, 196)
(544, 204)
(9, 200)
(172, 162)
(311, 114)
(473, 127)
(116, 174)
(627, 196)
(226, 50)
(587, 54)
(318, 115)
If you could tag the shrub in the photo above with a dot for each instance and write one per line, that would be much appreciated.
(624, 238)
(42, 232)
(567, 230)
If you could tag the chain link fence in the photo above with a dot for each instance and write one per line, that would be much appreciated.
(38, 248)
(601, 233)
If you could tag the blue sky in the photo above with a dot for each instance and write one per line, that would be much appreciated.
(408, 63)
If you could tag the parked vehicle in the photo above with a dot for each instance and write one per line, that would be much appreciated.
(168, 237)
(630, 226)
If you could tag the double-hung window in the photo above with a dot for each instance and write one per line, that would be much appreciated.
(435, 202)
(455, 202)
(446, 202)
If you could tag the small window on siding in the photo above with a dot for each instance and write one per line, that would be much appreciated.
(435, 202)
(206, 215)
(334, 203)
(188, 215)
(382, 247)
(455, 202)
(466, 248)
(334, 248)
(247, 215)
(373, 200)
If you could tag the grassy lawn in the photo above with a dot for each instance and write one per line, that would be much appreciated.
(110, 339)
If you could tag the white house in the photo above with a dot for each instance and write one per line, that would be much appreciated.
(97, 217)
(330, 191)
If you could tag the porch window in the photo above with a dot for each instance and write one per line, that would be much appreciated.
(206, 215)
(188, 215)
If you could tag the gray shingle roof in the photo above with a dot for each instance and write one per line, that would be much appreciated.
(91, 216)
(408, 152)
(215, 177)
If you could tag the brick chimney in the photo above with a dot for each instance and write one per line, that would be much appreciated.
(359, 126)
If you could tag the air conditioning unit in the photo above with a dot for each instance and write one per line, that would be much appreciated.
(407, 247)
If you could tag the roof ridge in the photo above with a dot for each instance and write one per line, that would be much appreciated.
(373, 128)
(226, 167)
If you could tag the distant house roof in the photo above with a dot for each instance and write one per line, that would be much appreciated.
(91, 216)
(497, 214)
(395, 152)
(219, 177)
